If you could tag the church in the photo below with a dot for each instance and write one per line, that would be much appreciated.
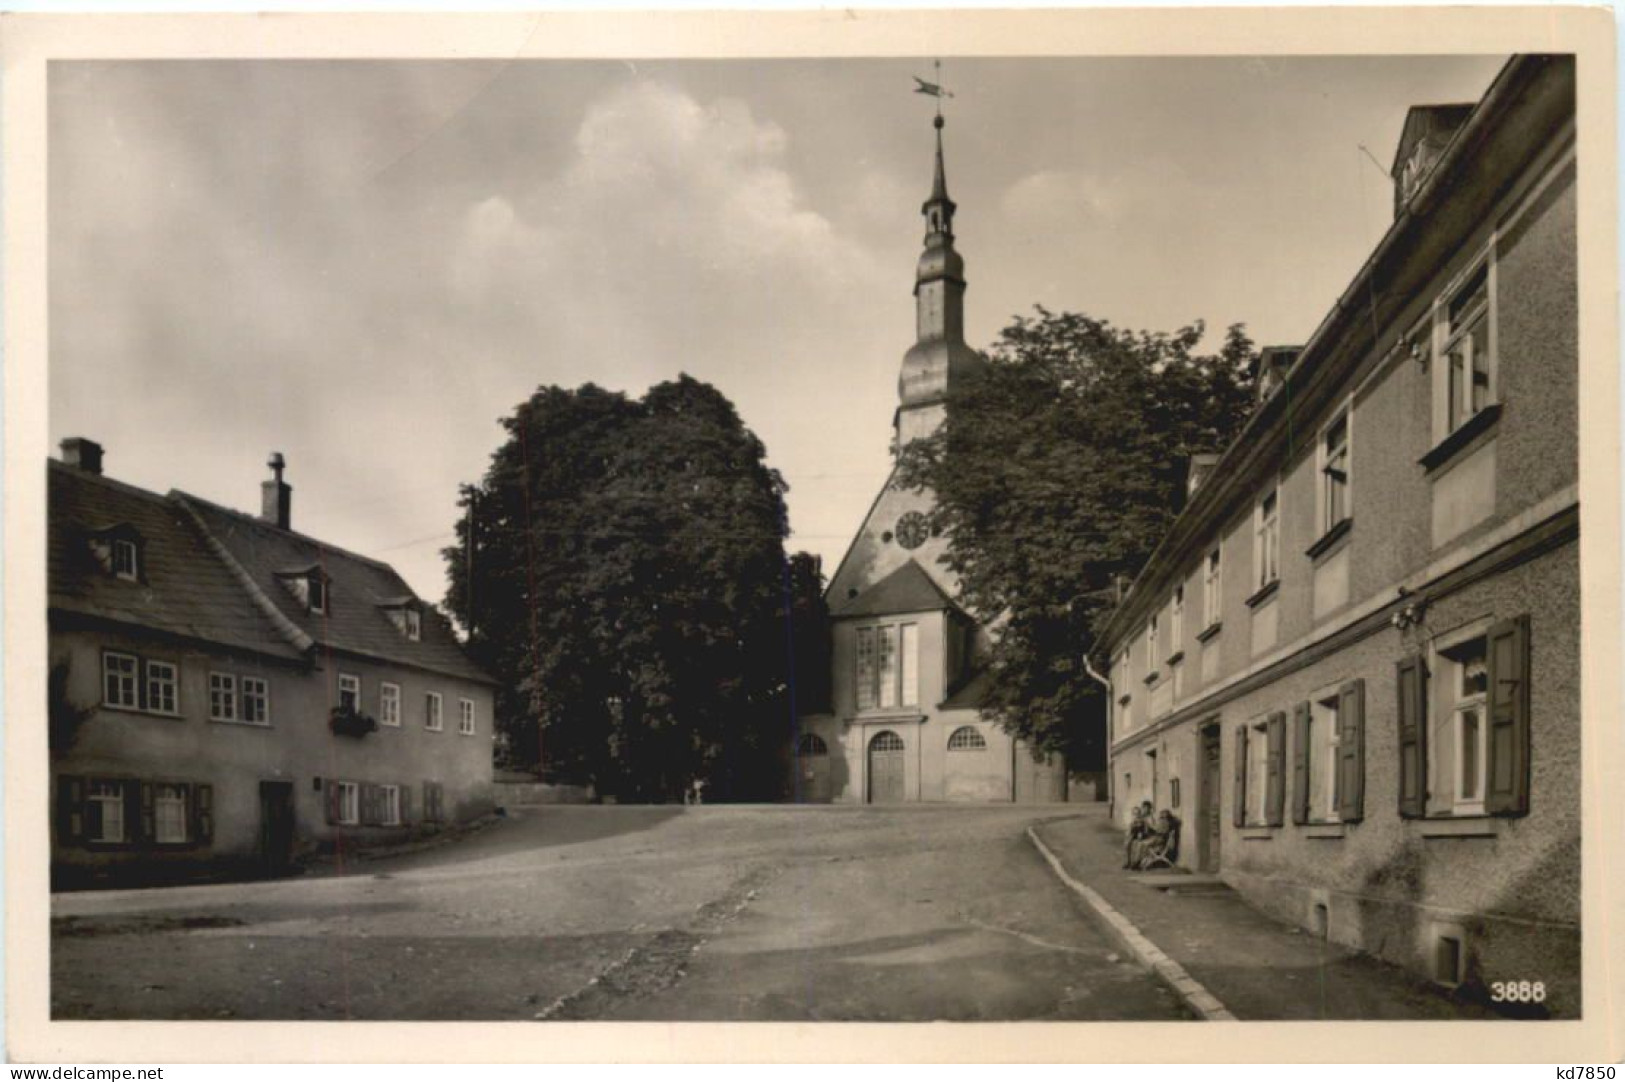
(902, 723)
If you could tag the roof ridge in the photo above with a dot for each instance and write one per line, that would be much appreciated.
(296, 637)
(255, 520)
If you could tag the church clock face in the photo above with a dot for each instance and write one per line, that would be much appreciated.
(912, 530)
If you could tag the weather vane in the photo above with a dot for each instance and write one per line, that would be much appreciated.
(936, 89)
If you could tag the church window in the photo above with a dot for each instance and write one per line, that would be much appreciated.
(966, 738)
(888, 666)
(811, 744)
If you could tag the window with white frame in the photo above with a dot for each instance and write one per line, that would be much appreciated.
(1334, 473)
(1324, 724)
(1151, 657)
(349, 692)
(256, 701)
(1267, 539)
(1464, 333)
(1176, 674)
(222, 696)
(389, 805)
(432, 705)
(349, 802)
(465, 716)
(1176, 621)
(104, 811)
(1212, 589)
(389, 704)
(888, 666)
(316, 592)
(1458, 738)
(414, 624)
(1258, 764)
(169, 808)
(163, 687)
(119, 680)
(125, 559)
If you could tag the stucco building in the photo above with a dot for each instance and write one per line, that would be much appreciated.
(903, 723)
(226, 691)
(1352, 666)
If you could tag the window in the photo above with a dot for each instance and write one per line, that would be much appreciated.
(316, 592)
(1176, 622)
(888, 666)
(1176, 676)
(162, 688)
(256, 701)
(119, 681)
(1334, 474)
(966, 738)
(431, 711)
(104, 812)
(433, 802)
(465, 716)
(1459, 729)
(347, 802)
(389, 805)
(389, 704)
(222, 697)
(1257, 775)
(1151, 657)
(1260, 763)
(1267, 540)
(1212, 587)
(414, 624)
(169, 814)
(349, 692)
(1322, 748)
(125, 562)
(1466, 355)
(811, 744)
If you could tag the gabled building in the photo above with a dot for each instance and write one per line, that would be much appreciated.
(905, 689)
(228, 692)
(1352, 665)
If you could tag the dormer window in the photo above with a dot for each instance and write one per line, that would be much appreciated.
(119, 549)
(406, 613)
(311, 586)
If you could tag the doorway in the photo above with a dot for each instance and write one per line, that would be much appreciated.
(886, 768)
(276, 825)
(1210, 825)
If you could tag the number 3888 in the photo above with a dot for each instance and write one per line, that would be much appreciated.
(1518, 991)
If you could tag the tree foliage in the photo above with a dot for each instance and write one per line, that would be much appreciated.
(628, 585)
(1057, 473)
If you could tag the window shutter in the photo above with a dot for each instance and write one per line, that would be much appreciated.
(331, 791)
(70, 795)
(1240, 809)
(1507, 791)
(1300, 763)
(406, 804)
(203, 812)
(1275, 775)
(149, 831)
(369, 805)
(1413, 758)
(1351, 752)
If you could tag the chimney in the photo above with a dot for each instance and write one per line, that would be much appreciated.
(276, 498)
(1198, 468)
(82, 454)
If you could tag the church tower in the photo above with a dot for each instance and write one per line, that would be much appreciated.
(939, 358)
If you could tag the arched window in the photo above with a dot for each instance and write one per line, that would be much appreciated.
(886, 741)
(966, 739)
(811, 744)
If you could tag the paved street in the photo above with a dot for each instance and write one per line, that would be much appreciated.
(715, 913)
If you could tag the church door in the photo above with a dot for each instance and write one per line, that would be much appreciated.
(886, 768)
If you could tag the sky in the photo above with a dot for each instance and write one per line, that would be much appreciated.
(365, 264)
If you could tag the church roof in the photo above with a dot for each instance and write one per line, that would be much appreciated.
(908, 589)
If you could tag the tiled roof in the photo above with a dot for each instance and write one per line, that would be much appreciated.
(908, 589)
(359, 591)
(184, 589)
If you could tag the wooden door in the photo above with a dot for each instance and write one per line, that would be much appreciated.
(276, 824)
(1210, 823)
(886, 768)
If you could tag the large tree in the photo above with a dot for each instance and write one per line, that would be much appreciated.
(621, 569)
(1057, 473)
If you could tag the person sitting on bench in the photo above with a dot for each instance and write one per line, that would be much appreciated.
(1139, 829)
(1161, 848)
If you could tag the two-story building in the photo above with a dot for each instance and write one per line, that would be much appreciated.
(228, 692)
(1352, 666)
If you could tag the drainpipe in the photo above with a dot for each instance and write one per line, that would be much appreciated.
(1111, 719)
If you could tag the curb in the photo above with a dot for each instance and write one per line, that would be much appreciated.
(1194, 995)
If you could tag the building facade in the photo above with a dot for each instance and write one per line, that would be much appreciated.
(903, 722)
(1352, 666)
(227, 693)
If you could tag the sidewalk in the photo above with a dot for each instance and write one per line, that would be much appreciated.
(1257, 967)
